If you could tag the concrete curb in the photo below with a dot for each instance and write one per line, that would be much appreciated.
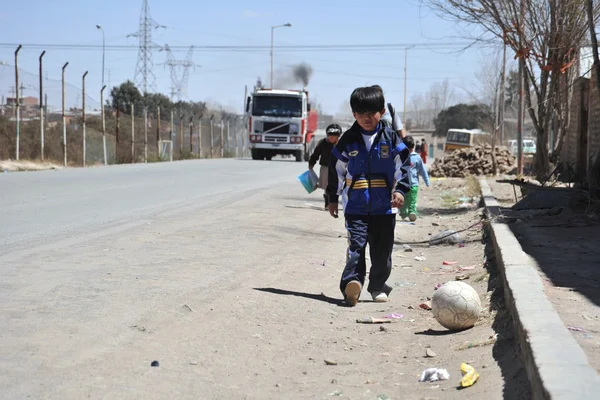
(556, 365)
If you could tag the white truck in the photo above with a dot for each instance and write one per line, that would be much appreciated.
(280, 122)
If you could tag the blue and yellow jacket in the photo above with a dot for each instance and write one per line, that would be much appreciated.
(366, 179)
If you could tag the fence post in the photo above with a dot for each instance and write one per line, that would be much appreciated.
(42, 106)
(132, 133)
(181, 135)
(200, 137)
(145, 134)
(17, 105)
(64, 118)
(228, 139)
(117, 129)
(191, 135)
(83, 113)
(158, 132)
(103, 125)
(211, 135)
(237, 147)
(172, 131)
(222, 144)
(243, 136)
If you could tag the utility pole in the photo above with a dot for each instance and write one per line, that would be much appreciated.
(42, 107)
(144, 77)
(521, 88)
(405, 75)
(103, 124)
(272, 42)
(179, 84)
(132, 133)
(145, 134)
(17, 105)
(101, 29)
(64, 117)
(83, 113)
(502, 93)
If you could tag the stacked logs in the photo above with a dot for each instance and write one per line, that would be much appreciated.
(473, 161)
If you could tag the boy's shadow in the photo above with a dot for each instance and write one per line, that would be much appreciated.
(318, 297)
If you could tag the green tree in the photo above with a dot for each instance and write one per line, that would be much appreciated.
(155, 100)
(461, 116)
(125, 95)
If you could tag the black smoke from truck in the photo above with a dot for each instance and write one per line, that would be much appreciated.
(302, 73)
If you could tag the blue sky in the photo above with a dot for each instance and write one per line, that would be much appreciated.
(221, 75)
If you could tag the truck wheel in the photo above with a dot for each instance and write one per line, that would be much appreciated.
(299, 155)
(256, 154)
(268, 157)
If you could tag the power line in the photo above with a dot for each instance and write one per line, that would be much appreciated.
(310, 47)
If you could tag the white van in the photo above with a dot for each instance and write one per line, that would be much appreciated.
(529, 146)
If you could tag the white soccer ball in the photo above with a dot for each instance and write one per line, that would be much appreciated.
(456, 305)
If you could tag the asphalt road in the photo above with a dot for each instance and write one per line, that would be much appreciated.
(38, 207)
(226, 273)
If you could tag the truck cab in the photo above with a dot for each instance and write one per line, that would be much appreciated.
(280, 123)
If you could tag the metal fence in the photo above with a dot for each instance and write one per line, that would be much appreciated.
(131, 140)
(208, 137)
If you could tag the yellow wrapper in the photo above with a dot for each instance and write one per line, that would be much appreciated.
(470, 376)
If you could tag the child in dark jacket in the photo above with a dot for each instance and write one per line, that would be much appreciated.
(323, 152)
(369, 169)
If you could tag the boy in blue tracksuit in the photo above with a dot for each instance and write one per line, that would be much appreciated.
(417, 168)
(368, 169)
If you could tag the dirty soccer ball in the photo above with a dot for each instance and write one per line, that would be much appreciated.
(456, 305)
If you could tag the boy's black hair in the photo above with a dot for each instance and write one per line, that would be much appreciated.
(367, 99)
(333, 130)
(409, 142)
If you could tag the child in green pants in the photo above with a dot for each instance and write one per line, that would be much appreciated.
(417, 167)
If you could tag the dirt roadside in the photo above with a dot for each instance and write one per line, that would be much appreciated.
(242, 302)
(25, 165)
(564, 242)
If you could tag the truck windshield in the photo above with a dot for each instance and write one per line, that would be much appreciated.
(277, 106)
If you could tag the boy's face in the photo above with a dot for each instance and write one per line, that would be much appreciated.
(333, 139)
(368, 120)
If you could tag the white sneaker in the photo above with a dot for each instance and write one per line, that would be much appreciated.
(380, 297)
(352, 293)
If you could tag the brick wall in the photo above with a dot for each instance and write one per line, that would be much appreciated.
(576, 152)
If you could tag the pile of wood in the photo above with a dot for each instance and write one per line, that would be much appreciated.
(473, 161)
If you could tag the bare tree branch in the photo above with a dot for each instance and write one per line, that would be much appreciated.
(552, 33)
